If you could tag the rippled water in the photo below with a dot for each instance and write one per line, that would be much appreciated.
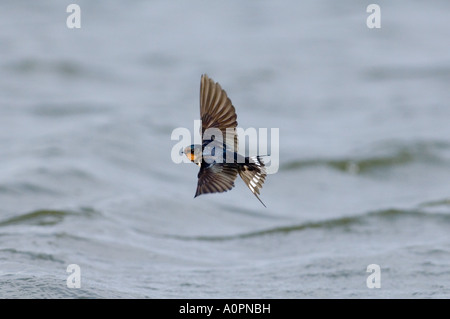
(86, 176)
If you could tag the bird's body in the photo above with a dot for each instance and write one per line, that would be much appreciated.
(213, 152)
(217, 156)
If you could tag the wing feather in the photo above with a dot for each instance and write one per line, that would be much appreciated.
(217, 178)
(217, 111)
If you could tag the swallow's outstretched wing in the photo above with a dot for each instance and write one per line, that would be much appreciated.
(217, 111)
(216, 178)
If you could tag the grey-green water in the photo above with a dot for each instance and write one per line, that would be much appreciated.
(86, 176)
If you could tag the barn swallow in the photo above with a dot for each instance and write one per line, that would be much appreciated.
(218, 156)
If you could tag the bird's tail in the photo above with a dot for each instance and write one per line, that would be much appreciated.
(253, 173)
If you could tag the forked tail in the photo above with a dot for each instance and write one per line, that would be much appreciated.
(253, 173)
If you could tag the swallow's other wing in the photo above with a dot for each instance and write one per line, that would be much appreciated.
(217, 111)
(217, 178)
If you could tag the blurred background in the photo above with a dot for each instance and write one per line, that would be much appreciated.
(86, 177)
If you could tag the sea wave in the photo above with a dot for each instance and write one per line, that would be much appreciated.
(344, 223)
(391, 154)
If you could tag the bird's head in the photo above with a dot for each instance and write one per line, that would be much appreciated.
(194, 153)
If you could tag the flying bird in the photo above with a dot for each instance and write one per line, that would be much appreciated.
(218, 156)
